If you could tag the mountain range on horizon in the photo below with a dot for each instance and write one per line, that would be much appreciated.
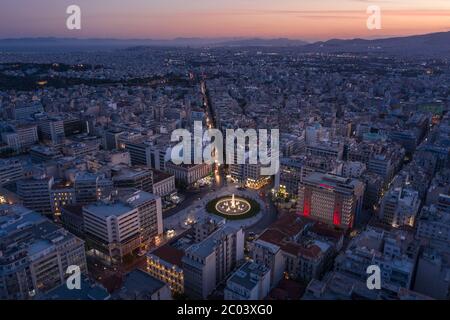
(427, 44)
(180, 41)
(431, 44)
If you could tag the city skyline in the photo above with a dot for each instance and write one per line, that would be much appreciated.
(237, 18)
(242, 153)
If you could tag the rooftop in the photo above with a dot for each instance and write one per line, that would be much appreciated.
(139, 197)
(108, 209)
(89, 291)
(139, 283)
(248, 275)
(73, 209)
(159, 176)
(169, 254)
(206, 247)
(15, 217)
(331, 181)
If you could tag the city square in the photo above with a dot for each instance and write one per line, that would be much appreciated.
(239, 153)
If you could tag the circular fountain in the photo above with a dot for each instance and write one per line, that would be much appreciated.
(233, 207)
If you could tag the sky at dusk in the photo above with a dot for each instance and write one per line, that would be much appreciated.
(162, 19)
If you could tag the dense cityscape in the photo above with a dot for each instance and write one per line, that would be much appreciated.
(88, 186)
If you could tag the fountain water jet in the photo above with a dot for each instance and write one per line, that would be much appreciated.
(233, 206)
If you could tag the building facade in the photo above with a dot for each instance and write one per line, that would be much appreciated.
(331, 199)
(207, 263)
(34, 253)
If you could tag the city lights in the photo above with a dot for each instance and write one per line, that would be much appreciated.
(226, 157)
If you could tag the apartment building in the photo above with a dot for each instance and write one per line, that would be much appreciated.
(250, 282)
(163, 183)
(394, 252)
(10, 171)
(188, 173)
(61, 195)
(34, 253)
(165, 264)
(149, 210)
(112, 230)
(52, 130)
(331, 199)
(399, 207)
(207, 263)
(116, 228)
(90, 187)
(21, 137)
(133, 178)
(35, 193)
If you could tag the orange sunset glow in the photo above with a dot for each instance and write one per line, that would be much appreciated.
(308, 20)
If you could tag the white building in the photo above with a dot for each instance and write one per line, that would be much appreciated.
(112, 229)
(37, 255)
(117, 228)
(21, 138)
(434, 221)
(163, 183)
(207, 263)
(249, 282)
(248, 173)
(188, 173)
(271, 256)
(150, 214)
(353, 169)
(399, 207)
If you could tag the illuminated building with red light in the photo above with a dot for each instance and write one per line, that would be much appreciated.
(332, 199)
